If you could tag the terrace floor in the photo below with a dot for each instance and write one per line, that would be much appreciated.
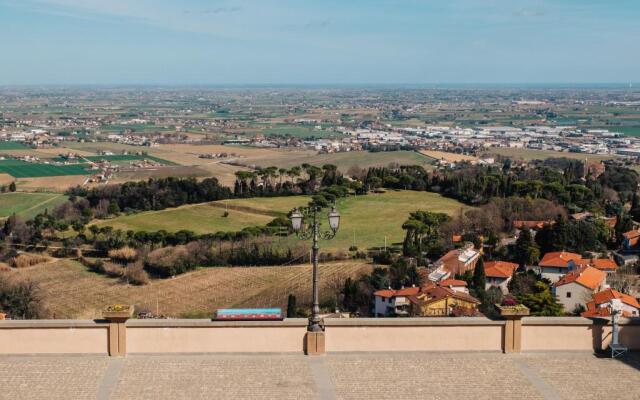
(340, 376)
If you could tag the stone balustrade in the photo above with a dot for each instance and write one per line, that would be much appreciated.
(192, 336)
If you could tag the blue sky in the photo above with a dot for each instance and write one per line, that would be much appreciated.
(319, 41)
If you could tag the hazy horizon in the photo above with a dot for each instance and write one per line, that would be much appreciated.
(329, 43)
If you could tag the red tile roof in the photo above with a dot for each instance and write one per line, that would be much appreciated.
(458, 261)
(607, 295)
(453, 282)
(631, 234)
(499, 269)
(530, 224)
(438, 293)
(603, 264)
(559, 259)
(588, 277)
(598, 307)
(394, 293)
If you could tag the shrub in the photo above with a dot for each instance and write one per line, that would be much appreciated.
(21, 299)
(170, 261)
(135, 274)
(123, 255)
(26, 260)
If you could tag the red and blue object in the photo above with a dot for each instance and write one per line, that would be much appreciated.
(249, 314)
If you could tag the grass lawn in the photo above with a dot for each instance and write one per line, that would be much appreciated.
(23, 169)
(367, 220)
(199, 218)
(344, 161)
(627, 130)
(299, 131)
(28, 205)
(529, 154)
(4, 145)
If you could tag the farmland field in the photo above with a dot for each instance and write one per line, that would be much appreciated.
(23, 169)
(444, 155)
(28, 205)
(344, 161)
(529, 154)
(5, 145)
(367, 220)
(69, 290)
(128, 157)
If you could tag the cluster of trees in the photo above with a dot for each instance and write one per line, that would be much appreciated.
(21, 299)
(422, 233)
(561, 182)
(8, 188)
(174, 260)
(575, 236)
(153, 194)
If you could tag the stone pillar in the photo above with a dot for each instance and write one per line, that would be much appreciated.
(512, 341)
(118, 331)
(314, 343)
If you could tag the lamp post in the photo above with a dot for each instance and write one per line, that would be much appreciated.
(310, 214)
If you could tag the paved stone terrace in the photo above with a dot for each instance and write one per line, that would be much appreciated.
(335, 376)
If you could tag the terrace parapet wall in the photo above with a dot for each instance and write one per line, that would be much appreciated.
(189, 336)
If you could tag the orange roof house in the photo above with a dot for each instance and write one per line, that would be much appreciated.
(604, 264)
(631, 239)
(393, 302)
(456, 261)
(442, 301)
(599, 307)
(499, 269)
(498, 274)
(576, 288)
(560, 259)
(589, 277)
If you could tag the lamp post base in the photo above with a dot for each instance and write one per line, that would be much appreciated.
(314, 343)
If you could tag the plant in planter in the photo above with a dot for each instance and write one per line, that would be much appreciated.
(511, 308)
(118, 311)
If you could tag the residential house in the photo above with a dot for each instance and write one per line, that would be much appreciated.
(600, 305)
(438, 301)
(455, 284)
(556, 264)
(604, 264)
(457, 261)
(631, 239)
(578, 286)
(498, 274)
(626, 258)
(389, 302)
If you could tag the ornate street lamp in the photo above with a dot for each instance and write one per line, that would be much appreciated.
(312, 231)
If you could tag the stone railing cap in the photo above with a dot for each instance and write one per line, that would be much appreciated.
(53, 323)
(445, 321)
(207, 323)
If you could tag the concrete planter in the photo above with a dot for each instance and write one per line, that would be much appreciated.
(513, 311)
(117, 312)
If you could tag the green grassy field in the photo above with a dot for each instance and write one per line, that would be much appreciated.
(627, 130)
(299, 131)
(28, 205)
(529, 154)
(366, 220)
(4, 145)
(23, 169)
(344, 161)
